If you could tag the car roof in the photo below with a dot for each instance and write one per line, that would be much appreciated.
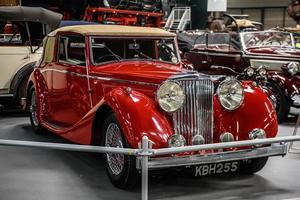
(30, 14)
(113, 30)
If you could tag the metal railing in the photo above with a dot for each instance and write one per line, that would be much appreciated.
(145, 152)
(180, 16)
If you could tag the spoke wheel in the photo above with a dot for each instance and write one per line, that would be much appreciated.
(121, 169)
(113, 139)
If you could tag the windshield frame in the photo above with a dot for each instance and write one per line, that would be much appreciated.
(241, 35)
(91, 58)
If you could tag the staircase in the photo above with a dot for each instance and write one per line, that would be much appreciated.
(179, 19)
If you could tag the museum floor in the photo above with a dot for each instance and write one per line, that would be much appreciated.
(35, 174)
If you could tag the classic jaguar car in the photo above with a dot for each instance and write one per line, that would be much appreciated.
(22, 30)
(111, 85)
(274, 50)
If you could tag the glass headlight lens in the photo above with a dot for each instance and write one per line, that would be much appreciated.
(250, 71)
(230, 93)
(262, 72)
(293, 68)
(170, 96)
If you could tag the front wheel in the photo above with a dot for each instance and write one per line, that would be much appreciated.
(121, 169)
(252, 166)
(279, 100)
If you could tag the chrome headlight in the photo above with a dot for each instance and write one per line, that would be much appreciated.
(262, 72)
(230, 93)
(293, 68)
(170, 96)
(249, 71)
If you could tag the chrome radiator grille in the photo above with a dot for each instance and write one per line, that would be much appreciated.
(196, 116)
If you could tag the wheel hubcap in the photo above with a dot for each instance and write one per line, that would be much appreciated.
(33, 109)
(113, 138)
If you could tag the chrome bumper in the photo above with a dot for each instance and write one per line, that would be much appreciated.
(179, 161)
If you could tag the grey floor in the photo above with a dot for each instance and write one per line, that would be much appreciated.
(40, 174)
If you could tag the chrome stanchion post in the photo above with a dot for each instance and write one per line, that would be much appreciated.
(145, 153)
(291, 148)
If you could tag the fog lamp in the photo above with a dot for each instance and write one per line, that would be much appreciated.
(198, 139)
(257, 133)
(177, 140)
(226, 137)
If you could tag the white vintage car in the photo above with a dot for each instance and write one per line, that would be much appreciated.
(22, 30)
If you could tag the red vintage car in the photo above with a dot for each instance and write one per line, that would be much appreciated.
(274, 50)
(111, 85)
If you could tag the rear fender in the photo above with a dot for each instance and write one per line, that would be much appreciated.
(138, 115)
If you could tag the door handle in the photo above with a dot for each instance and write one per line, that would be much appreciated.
(26, 57)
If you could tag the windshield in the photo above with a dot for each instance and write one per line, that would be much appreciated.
(116, 49)
(266, 39)
(217, 42)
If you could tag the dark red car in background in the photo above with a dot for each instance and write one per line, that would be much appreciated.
(232, 53)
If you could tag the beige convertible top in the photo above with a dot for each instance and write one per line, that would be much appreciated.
(113, 30)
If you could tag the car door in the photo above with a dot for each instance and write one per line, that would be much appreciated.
(68, 93)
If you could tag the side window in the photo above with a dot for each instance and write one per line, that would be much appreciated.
(48, 53)
(71, 50)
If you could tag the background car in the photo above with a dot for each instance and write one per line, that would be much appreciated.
(22, 32)
(274, 50)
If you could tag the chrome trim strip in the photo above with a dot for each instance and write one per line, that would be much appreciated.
(267, 57)
(100, 78)
(6, 95)
(220, 54)
(177, 161)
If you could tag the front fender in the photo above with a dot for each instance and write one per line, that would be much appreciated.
(138, 115)
(289, 84)
(256, 111)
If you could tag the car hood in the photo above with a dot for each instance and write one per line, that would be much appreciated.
(142, 71)
(275, 52)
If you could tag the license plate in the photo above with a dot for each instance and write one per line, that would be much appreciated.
(216, 168)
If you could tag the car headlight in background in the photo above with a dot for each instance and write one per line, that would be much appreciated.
(170, 96)
(262, 72)
(230, 93)
(293, 68)
(249, 71)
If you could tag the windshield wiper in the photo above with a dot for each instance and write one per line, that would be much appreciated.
(141, 53)
(119, 58)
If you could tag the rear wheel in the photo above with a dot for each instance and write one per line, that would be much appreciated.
(34, 120)
(121, 169)
(252, 166)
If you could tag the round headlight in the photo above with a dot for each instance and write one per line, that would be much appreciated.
(293, 68)
(230, 93)
(262, 72)
(170, 96)
(249, 71)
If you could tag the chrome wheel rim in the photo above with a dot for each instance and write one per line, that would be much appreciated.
(33, 109)
(113, 138)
